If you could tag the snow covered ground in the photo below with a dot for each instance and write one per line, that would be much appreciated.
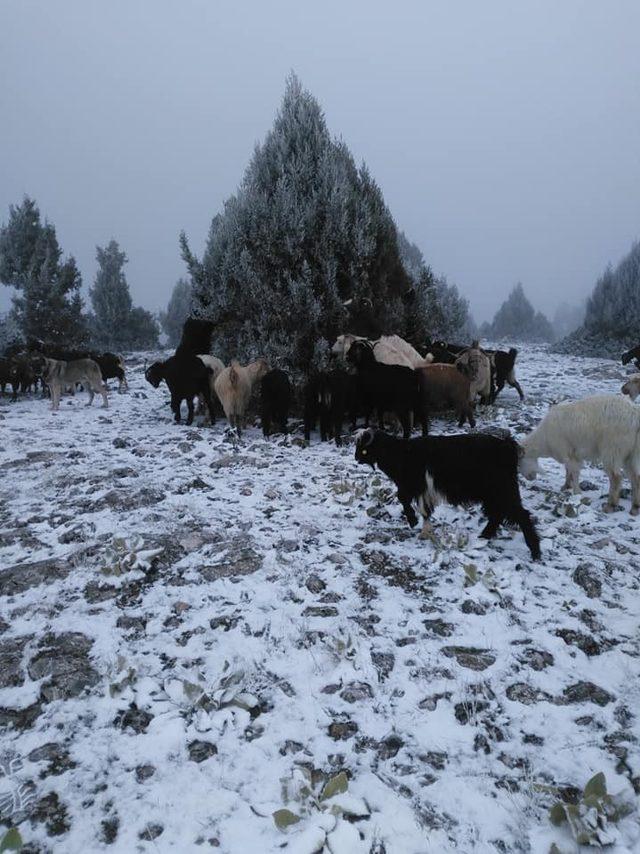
(194, 632)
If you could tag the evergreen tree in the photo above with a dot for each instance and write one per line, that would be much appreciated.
(110, 298)
(143, 330)
(517, 319)
(47, 304)
(178, 310)
(306, 249)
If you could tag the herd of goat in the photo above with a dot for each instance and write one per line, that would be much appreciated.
(385, 377)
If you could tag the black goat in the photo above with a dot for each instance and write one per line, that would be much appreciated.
(503, 371)
(459, 470)
(326, 398)
(275, 400)
(386, 388)
(186, 377)
(196, 337)
(443, 353)
(633, 354)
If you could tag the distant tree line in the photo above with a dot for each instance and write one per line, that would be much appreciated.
(612, 317)
(48, 304)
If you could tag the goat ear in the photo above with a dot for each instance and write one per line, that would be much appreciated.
(366, 438)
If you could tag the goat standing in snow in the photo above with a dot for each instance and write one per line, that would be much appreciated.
(602, 429)
(460, 470)
(233, 386)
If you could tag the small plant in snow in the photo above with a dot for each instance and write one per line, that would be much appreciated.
(322, 807)
(121, 676)
(590, 819)
(340, 645)
(124, 555)
(201, 700)
(472, 577)
(11, 841)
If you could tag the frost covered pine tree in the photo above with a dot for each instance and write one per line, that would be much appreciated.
(115, 323)
(47, 304)
(178, 310)
(306, 248)
(518, 320)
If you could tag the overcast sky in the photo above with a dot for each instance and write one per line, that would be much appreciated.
(505, 135)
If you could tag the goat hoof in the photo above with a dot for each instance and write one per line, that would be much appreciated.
(609, 508)
(635, 510)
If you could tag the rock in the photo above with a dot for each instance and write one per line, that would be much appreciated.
(383, 663)
(131, 623)
(585, 576)
(342, 730)
(584, 642)
(144, 772)
(521, 692)
(53, 813)
(355, 691)
(389, 747)
(585, 692)
(57, 757)
(11, 652)
(151, 831)
(438, 628)
(64, 659)
(20, 719)
(471, 607)
(623, 716)
(133, 718)
(319, 611)
(96, 592)
(227, 622)
(469, 711)
(429, 704)
(536, 659)
(238, 560)
(23, 576)
(110, 827)
(118, 442)
(470, 657)
(532, 738)
(199, 751)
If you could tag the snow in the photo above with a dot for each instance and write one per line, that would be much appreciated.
(291, 619)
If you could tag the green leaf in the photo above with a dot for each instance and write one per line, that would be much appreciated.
(557, 814)
(596, 786)
(11, 841)
(335, 786)
(285, 818)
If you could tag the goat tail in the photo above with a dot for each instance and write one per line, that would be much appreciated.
(233, 374)
(513, 353)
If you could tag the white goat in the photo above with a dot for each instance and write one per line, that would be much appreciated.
(388, 350)
(217, 366)
(602, 429)
(233, 386)
(476, 365)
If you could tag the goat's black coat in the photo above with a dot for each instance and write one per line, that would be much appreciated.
(443, 353)
(186, 377)
(463, 469)
(502, 372)
(633, 354)
(196, 337)
(386, 388)
(327, 399)
(275, 400)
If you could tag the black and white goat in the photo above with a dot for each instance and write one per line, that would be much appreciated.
(459, 470)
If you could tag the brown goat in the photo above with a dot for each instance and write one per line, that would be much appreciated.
(445, 387)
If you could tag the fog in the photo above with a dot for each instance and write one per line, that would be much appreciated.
(505, 136)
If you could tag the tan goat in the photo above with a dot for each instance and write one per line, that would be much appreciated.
(233, 386)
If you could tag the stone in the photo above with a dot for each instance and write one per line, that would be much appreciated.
(144, 772)
(585, 692)
(521, 692)
(585, 576)
(150, 832)
(389, 747)
(342, 730)
(471, 607)
(57, 757)
(320, 611)
(536, 659)
(20, 719)
(110, 827)
(199, 751)
(133, 718)
(439, 628)
(470, 657)
(64, 659)
(587, 643)
(383, 663)
(355, 691)
(238, 560)
(23, 576)
(51, 812)
(11, 652)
